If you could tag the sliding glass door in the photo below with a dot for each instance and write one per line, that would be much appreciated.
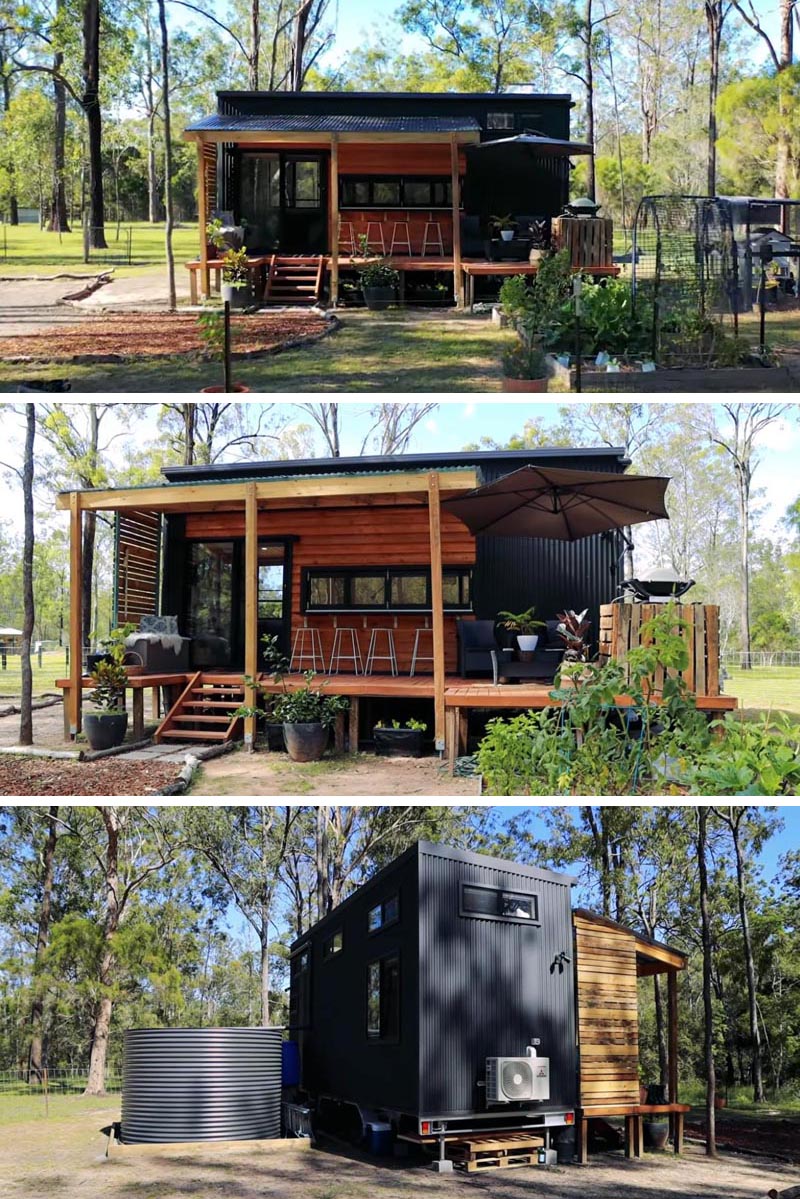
(283, 201)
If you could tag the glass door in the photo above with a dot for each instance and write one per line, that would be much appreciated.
(260, 200)
(305, 220)
(274, 600)
(211, 616)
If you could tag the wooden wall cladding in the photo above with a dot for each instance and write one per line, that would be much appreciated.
(608, 1020)
(397, 158)
(138, 557)
(390, 535)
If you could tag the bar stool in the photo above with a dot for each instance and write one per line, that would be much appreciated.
(433, 233)
(416, 655)
(338, 653)
(347, 238)
(401, 238)
(372, 653)
(307, 645)
(376, 242)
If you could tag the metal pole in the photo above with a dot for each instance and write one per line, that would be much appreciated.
(576, 292)
(226, 349)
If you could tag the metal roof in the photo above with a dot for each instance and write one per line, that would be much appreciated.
(490, 97)
(380, 463)
(332, 123)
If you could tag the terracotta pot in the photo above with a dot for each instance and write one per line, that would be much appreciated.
(720, 1102)
(234, 388)
(524, 384)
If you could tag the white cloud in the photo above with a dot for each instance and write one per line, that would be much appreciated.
(469, 410)
(431, 426)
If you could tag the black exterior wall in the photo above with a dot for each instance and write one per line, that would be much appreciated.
(471, 987)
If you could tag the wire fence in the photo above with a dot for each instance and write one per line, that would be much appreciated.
(760, 658)
(60, 1082)
(116, 247)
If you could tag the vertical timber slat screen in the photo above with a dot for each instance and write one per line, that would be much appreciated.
(590, 240)
(138, 565)
(608, 1021)
(620, 631)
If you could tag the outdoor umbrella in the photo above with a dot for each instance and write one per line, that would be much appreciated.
(537, 143)
(560, 504)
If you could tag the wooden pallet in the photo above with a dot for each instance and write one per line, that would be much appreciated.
(487, 1151)
(588, 239)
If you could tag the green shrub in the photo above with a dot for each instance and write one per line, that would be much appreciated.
(610, 320)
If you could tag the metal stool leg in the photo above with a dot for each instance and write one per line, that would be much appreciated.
(433, 233)
(376, 242)
(401, 238)
(301, 649)
(373, 656)
(416, 655)
(338, 653)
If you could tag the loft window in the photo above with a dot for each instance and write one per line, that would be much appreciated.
(383, 999)
(405, 589)
(385, 912)
(500, 120)
(498, 903)
(333, 945)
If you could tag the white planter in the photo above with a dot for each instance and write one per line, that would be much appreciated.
(507, 234)
(527, 642)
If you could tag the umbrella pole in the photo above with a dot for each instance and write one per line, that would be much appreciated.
(576, 291)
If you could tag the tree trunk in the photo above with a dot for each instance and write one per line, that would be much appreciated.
(96, 1082)
(299, 44)
(785, 59)
(255, 45)
(94, 121)
(733, 822)
(152, 174)
(708, 1008)
(59, 219)
(589, 77)
(265, 1020)
(743, 494)
(661, 1035)
(714, 19)
(173, 302)
(36, 1056)
(13, 207)
(28, 619)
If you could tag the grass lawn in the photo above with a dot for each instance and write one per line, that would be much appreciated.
(412, 351)
(765, 688)
(782, 328)
(28, 250)
(54, 666)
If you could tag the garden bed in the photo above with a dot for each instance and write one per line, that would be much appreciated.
(694, 379)
(117, 337)
(109, 776)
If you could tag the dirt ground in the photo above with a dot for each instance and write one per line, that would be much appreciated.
(65, 1157)
(150, 335)
(269, 773)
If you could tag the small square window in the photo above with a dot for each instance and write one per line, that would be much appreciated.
(368, 591)
(500, 120)
(326, 591)
(387, 912)
(375, 918)
(417, 193)
(333, 945)
(409, 591)
(386, 191)
(391, 910)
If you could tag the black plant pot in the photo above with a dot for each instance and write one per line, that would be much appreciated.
(655, 1134)
(398, 743)
(237, 297)
(93, 660)
(105, 730)
(378, 298)
(274, 736)
(305, 742)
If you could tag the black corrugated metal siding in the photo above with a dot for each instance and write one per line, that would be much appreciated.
(486, 987)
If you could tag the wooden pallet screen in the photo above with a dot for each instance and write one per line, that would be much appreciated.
(608, 1020)
(138, 560)
(210, 171)
(620, 631)
(590, 240)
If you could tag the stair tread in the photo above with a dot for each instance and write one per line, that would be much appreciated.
(193, 717)
(190, 735)
(210, 703)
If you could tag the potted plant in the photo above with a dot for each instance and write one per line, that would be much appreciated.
(235, 287)
(214, 239)
(106, 727)
(506, 226)
(305, 714)
(399, 739)
(377, 279)
(524, 625)
(525, 367)
(215, 333)
(572, 629)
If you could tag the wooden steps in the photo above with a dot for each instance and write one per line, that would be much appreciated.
(204, 711)
(294, 280)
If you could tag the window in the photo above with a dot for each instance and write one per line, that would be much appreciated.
(385, 912)
(270, 581)
(496, 903)
(300, 988)
(412, 191)
(302, 183)
(333, 945)
(383, 999)
(500, 120)
(405, 589)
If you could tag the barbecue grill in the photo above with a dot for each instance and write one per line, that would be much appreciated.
(662, 586)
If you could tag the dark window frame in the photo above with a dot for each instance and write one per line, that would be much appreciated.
(391, 1036)
(493, 117)
(329, 949)
(348, 573)
(384, 923)
(441, 181)
(530, 896)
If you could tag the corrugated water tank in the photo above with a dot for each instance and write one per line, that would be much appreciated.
(201, 1084)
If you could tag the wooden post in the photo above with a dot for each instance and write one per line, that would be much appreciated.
(202, 219)
(75, 614)
(458, 278)
(672, 1052)
(437, 609)
(250, 607)
(352, 731)
(333, 189)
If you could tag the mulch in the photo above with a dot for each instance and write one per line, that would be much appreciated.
(778, 1136)
(59, 776)
(116, 337)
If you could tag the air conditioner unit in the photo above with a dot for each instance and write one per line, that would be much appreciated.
(515, 1079)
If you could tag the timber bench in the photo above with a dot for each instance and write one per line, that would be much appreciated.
(138, 683)
(634, 1114)
(256, 266)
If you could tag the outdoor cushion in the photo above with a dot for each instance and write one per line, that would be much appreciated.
(159, 624)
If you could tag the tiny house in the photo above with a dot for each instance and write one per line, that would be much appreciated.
(440, 995)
